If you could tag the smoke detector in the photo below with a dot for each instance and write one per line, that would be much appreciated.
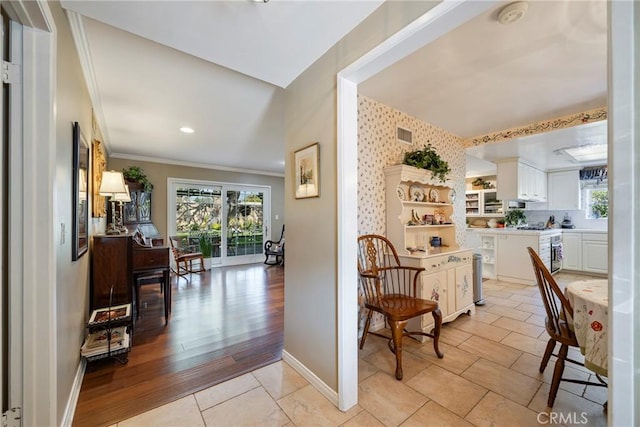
(512, 12)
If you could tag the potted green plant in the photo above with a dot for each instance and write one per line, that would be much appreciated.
(205, 246)
(135, 174)
(515, 217)
(500, 222)
(427, 158)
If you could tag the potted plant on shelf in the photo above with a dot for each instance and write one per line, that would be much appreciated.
(427, 158)
(515, 217)
(500, 222)
(135, 174)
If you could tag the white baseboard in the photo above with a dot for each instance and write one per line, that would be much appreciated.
(313, 379)
(70, 409)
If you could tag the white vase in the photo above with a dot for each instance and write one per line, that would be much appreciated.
(492, 223)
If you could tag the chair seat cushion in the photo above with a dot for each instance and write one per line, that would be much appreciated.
(401, 307)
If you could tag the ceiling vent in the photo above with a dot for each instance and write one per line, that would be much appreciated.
(405, 136)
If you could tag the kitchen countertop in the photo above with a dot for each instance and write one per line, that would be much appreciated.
(515, 231)
(547, 231)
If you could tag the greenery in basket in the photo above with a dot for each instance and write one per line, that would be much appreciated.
(135, 174)
(427, 158)
(515, 217)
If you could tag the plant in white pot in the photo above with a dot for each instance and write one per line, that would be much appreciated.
(514, 218)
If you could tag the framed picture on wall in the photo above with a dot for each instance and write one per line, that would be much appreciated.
(307, 171)
(80, 193)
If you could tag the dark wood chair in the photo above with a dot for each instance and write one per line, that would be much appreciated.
(187, 262)
(274, 251)
(558, 311)
(390, 289)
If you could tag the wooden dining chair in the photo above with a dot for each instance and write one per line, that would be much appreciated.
(558, 310)
(391, 290)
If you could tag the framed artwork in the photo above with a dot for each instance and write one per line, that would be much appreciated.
(307, 171)
(80, 192)
(98, 165)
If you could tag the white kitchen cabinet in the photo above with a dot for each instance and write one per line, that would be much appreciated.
(595, 253)
(572, 251)
(484, 203)
(519, 181)
(447, 279)
(514, 262)
(488, 251)
(564, 190)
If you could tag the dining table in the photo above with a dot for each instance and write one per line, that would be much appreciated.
(590, 302)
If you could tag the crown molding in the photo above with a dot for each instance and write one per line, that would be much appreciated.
(86, 62)
(194, 164)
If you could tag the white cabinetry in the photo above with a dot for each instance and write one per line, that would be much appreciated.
(572, 251)
(585, 251)
(481, 203)
(418, 208)
(514, 261)
(564, 190)
(594, 253)
(488, 250)
(520, 181)
(447, 279)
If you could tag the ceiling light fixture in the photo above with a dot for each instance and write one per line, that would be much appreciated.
(585, 153)
(512, 12)
(186, 129)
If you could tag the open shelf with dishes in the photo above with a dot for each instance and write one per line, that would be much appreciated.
(419, 211)
(481, 203)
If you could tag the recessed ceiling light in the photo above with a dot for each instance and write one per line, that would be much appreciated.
(186, 129)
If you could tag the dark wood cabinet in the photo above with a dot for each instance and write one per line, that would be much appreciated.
(111, 265)
(139, 209)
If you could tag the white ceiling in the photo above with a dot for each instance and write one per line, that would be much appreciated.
(220, 67)
(485, 77)
(216, 66)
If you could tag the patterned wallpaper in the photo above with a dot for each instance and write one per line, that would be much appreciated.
(378, 148)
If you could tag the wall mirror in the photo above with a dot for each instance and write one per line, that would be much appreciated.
(80, 191)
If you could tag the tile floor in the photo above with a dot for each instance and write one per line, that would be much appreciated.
(488, 377)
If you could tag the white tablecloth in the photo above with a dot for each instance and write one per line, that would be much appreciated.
(590, 302)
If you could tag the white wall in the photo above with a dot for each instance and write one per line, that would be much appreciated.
(72, 278)
(311, 267)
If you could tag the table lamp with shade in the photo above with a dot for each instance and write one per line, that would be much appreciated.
(122, 198)
(112, 185)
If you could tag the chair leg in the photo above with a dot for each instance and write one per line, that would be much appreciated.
(437, 318)
(366, 329)
(557, 374)
(397, 331)
(551, 345)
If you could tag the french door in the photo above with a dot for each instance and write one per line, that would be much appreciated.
(228, 223)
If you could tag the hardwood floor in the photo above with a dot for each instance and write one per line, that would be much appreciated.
(224, 322)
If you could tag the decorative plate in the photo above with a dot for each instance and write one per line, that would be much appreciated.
(402, 195)
(417, 193)
(434, 197)
(452, 196)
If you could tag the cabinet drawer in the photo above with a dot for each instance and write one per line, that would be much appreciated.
(598, 237)
(150, 258)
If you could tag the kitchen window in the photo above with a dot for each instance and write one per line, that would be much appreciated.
(595, 192)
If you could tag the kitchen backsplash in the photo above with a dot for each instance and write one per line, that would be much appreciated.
(577, 217)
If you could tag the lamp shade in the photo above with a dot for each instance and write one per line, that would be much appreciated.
(112, 183)
(123, 197)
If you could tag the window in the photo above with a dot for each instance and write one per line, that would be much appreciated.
(596, 197)
(595, 192)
